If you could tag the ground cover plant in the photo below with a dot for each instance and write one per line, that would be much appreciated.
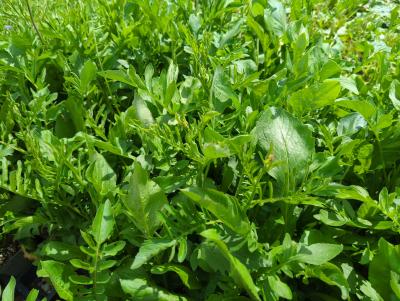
(202, 150)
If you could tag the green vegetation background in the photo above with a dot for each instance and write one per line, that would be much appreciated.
(203, 150)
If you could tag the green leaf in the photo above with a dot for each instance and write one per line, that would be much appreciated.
(275, 18)
(117, 75)
(238, 270)
(144, 201)
(60, 251)
(113, 248)
(183, 250)
(141, 290)
(188, 278)
(142, 112)
(33, 295)
(103, 223)
(370, 292)
(332, 275)
(318, 253)
(349, 84)
(8, 294)
(107, 264)
(79, 279)
(329, 69)
(101, 175)
(279, 288)
(366, 109)
(88, 73)
(224, 207)
(80, 264)
(316, 96)
(291, 143)
(222, 90)
(58, 274)
(149, 249)
(380, 273)
(394, 94)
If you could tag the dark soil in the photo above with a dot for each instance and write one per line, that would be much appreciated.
(8, 248)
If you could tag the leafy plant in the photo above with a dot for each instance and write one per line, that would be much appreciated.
(203, 150)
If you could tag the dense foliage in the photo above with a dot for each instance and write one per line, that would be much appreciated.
(203, 150)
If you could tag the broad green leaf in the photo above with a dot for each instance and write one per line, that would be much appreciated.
(149, 249)
(144, 201)
(141, 290)
(215, 145)
(223, 206)
(385, 262)
(366, 109)
(60, 251)
(349, 84)
(187, 277)
(329, 69)
(183, 250)
(8, 293)
(80, 264)
(370, 292)
(275, 18)
(117, 75)
(79, 279)
(88, 73)
(318, 253)
(106, 264)
(394, 94)
(113, 248)
(103, 223)
(279, 288)
(33, 295)
(5, 151)
(395, 283)
(58, 274)
(101, 175)
(222, 90)
(238, 270)
(289, 141)
(332, 275)
(315, 96)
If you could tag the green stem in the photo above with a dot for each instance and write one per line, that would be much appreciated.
(33, 21)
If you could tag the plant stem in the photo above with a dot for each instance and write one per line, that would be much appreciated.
(33, 21)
